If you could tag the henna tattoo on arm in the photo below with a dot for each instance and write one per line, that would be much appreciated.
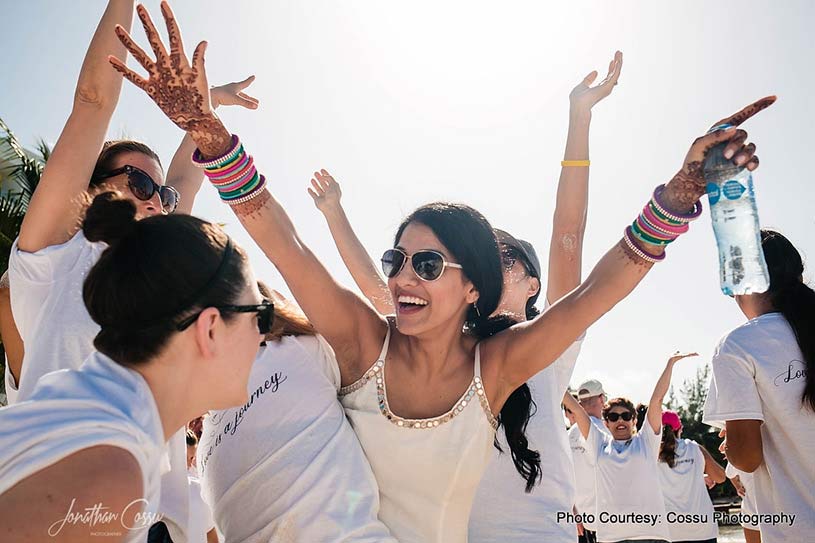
(251, 208)
(633, 257)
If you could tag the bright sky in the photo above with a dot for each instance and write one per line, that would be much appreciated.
(467, 101)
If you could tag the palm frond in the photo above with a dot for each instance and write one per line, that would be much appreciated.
(12, 210)
(44, 150)
(20, 172)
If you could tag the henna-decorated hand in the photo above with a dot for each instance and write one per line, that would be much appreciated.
(688, 185)
(326, 192)
(177, 86)
(232, 94)
(583, 97)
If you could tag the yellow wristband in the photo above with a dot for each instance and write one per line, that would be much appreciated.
(565, 163)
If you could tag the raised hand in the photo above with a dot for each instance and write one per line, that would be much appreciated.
(584, 96)
(687, 186)
(677, 356)
(232, 94)
(178, 87)
(325, 192)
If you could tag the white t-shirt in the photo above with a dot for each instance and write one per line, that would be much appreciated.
(686, 496)
(46, 301)
(759, 373)
(287, 466)
(585, 485)
(629, 495)
(201, 521)
(502, 510)
(748, 501)
(58, 333)
(102, 403)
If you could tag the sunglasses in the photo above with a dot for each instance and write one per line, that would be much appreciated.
(265, 315)
(427, 265)
(614, 417)
(143, 187)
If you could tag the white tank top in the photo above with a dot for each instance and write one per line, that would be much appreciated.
(428, 470)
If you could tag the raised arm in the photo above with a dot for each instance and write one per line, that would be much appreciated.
(525, 349)
(53, 214)
(326, 193)
(351, 326)
(654, 415)
(713, 469)
(182, 174)
(569, 223)
(580, 416)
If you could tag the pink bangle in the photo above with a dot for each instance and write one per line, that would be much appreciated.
(662, 226)
(638, 250)
(220, 175)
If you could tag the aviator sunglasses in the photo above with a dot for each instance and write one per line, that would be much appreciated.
(143, 187)
(614, 417)
(265, 315)
(427, 265)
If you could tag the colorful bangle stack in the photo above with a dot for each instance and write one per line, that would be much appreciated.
(657, 226)
(234, 174)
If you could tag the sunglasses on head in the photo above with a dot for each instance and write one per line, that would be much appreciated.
(143, 187)
(264, 310)
(427, 265)
(614, 417)
(511, 255)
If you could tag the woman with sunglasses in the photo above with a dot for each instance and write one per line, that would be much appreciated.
(414, 389)
(762, 393)
(630, 505)
(178, 310)
(286, 465)
(50, 259)
(51, 255)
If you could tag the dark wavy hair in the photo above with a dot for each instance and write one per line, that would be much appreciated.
(793, 298)
(154, 273)
(470, 239)
(667, 449)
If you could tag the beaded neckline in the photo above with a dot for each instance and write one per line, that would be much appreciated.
(377, 373)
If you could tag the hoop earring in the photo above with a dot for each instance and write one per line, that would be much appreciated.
(477, 312)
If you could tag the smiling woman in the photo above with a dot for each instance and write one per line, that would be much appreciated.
(435, 368)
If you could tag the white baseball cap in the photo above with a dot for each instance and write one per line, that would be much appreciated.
(589, 389)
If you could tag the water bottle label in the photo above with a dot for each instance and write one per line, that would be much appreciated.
(733, 190)
(713, 193)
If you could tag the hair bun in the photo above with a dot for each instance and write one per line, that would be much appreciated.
(109, 218)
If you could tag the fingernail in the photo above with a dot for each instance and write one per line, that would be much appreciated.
(728, 154)
(740, 160)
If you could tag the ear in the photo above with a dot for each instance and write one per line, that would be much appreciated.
(472, 294)
(206, 330)
(534, 287)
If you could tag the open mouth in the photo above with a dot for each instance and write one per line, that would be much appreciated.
(621, 427)
(410, 304)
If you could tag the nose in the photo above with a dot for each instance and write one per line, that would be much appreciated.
(153, 205)
(406, 275)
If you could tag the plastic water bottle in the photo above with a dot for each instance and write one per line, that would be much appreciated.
(742, 268)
